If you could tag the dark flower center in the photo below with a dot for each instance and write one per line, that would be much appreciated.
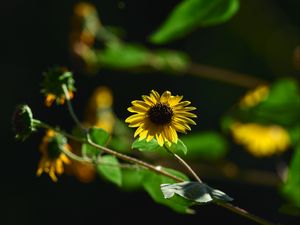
(160, 114)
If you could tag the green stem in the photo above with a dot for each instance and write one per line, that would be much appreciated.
(184, 163)
(70, 108)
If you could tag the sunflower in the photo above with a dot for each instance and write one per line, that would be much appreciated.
(53, 160)
(261, 140)
(160, 117)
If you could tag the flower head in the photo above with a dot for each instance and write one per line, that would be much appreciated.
(99, 111)
(54, 79)
(261, 140)
(160, 117)
(254, 97)
(22, 122)
(53, 160)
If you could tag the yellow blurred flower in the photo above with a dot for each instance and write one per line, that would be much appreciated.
(254, 97)
(99, 111)
(160, 117)
(53, 160)
(261, 140)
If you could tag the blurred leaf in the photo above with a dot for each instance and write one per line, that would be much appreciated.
(151, 184)
(169, 61)
(122, 137)
(108, 166)
(98, 136)
(132, 179)
(207, 145)
(282, 105)
(199, 193)
(121, 56)
(294, 133)
(291, 188)
(191, 14)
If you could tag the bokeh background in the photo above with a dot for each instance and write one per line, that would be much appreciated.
(259, 40)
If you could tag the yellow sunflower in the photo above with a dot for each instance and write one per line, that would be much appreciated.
(261, 140)
(53, 160)
(160, 117)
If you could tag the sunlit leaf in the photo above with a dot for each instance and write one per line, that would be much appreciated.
(291, 188)
(108, 166)
(206, 145)
(146, 146)
(199, 193)
(178, 147)
(191, 14)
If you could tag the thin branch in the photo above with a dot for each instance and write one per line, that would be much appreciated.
(70, 108)
(213, 73)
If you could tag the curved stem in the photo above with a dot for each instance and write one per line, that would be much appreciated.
(184, 163)
(70, 108)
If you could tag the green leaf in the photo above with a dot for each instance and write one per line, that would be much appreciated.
(291, 188)
(152, 146)
(191, 14)
(282, 106)
(121, 56)
(108, 166)
(178, 147)
(205, 145)
(151, 184)
(132, 179)
(98, 136)
(199, 193)
(144, 146)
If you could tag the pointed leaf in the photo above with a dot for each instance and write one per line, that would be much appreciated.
(191, 14)
(178, 147)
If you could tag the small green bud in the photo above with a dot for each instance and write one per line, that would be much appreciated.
(22, 122)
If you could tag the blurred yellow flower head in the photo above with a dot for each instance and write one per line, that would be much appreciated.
(254, 97)
(261, 140)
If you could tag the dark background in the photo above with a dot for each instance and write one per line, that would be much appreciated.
(259, 40)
